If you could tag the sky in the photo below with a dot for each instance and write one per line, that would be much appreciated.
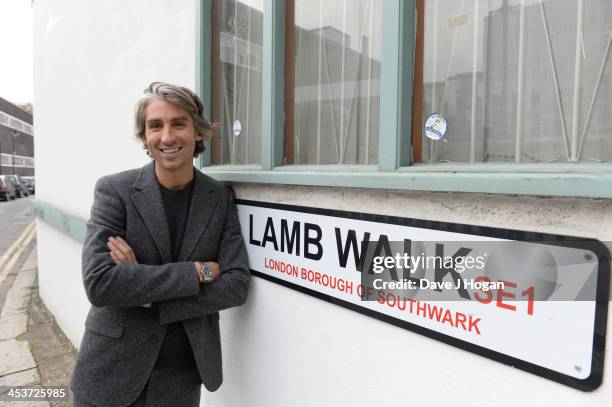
(16, 49)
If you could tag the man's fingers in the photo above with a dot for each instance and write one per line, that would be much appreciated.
(117, 251)
(120, 245)
(118, 257)
(115, 258)
(123, 243)
(113, 247)
(122, 249)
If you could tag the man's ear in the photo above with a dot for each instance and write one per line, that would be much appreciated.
(199, 137)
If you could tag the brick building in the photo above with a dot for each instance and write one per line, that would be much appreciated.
(16, 140)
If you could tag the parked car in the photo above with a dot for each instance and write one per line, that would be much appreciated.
(30, 183)
(20, 189)
(7, 190)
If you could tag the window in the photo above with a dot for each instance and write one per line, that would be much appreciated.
(16, 124)
(19, 161)
(237, 67)
(304, 89)
(28, 162)
(333, 82)
(517, 81)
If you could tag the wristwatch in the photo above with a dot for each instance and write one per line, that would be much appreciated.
(206, 274)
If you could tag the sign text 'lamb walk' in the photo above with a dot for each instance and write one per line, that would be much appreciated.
(517, 297)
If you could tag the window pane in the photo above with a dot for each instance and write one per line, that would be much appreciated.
(16, 124)
(519, 80)
(336, 49)
(237, 78)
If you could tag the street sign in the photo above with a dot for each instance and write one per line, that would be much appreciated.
(534, 301)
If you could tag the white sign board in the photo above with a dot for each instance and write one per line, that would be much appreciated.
(537, 302)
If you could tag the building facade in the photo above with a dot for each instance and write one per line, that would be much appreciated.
(16, 140)
(321, 109)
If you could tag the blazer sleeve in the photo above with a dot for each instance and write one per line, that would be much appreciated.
(230, 289)
(125, 285)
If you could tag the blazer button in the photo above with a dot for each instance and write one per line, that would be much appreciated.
(153, 339)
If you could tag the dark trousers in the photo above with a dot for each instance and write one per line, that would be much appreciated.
(166, 387)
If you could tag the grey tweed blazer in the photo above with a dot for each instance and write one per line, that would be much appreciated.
(122, 339)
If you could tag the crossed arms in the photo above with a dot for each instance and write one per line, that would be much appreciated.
(121, 252)
(118, 280)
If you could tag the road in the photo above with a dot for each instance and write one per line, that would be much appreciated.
(15, 216)
(17, 238)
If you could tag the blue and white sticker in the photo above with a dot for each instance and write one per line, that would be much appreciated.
(237, 128)
(435, 127)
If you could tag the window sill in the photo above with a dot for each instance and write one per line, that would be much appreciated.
(533, 168)
(583, 181)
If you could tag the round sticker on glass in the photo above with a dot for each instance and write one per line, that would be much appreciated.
(435, 127)
(237, 128)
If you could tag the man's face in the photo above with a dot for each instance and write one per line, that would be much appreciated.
(170, 136)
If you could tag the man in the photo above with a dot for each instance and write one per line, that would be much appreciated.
(162, 255)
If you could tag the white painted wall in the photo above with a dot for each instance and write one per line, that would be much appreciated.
(92, 61)
(285, 348)
(59, 280)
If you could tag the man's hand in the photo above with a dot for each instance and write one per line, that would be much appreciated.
(121, 252)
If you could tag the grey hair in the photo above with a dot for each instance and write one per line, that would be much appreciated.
(181, 97)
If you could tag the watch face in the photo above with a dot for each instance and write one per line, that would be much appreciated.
(206, 270)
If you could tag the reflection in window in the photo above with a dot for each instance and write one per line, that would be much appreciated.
(237, 79)
(335, 91)
(518, 80)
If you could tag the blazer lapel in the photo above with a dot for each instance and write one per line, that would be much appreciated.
(148, 202)
(203, 202)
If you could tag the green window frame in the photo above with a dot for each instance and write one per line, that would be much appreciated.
(394, 169)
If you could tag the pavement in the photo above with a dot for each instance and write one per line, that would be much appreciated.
(33, 350)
